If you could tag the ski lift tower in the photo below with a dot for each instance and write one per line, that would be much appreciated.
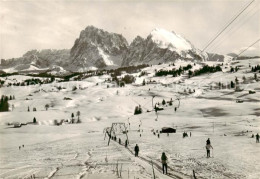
(121, 125)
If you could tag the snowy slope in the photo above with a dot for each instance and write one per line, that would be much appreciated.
(82, 151)
(166, 39)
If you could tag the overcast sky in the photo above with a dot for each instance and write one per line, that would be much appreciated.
(55, 24)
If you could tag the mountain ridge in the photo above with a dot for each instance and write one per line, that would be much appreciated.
(98, 49)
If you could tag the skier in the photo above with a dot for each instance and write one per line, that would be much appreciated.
(164, 163)
(208, 141)
(126, 142)
(257, 138)
(158, 135)
(136, 150)
(190, 134)
(119, 141)
(208, 147)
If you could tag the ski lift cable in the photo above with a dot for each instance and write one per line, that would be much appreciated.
(226, 27)
(231, 19)
(231, 27)
(232, 30)
(248, 47)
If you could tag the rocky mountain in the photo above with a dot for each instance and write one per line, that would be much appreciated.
(96, 48)
(215, 57)
(159, 47)
(99, 49)
(37, 60)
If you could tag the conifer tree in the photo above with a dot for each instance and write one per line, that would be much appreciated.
(163, 102)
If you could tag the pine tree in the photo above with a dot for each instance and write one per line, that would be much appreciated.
(244, 79)
(47, 106)
(4, 105)
(236, 80)
(190, 73)
(144, 82)
(232, 85)
(163, 102)
(78, 114)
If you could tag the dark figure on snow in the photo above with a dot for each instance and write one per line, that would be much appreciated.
(175, 109)
(208, 141)
(136, 150)
(164, 163)
(19, 147)
(140, 135)
(257, 138)
(208, 147)
(252, 136)
(190, 134)
(126, 142)
(119, 141)
(184, 134)
(158, 135)
(23, 145)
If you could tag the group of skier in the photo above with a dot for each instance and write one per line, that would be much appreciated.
(256, 137)
(164, 157)
(21, 147)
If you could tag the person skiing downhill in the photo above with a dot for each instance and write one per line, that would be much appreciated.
(164, 163)
(208, 147)
(136, 150)
(257, 138)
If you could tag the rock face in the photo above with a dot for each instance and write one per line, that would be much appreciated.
(96, 48)
(34, 60)
(159, 47)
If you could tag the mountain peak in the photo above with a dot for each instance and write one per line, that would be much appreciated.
(166, 39)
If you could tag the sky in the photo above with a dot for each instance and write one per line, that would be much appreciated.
(55, 24)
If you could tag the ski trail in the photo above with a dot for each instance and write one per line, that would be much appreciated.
(52, 173)
(86, 167)
(12, 170)
(157, 167)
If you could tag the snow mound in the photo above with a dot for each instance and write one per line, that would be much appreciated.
(171, 40)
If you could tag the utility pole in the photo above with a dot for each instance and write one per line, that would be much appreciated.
(152, 102)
